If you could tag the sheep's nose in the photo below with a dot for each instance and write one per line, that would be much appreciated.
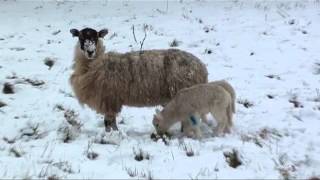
(90, 53)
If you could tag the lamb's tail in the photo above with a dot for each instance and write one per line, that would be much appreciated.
(230, 90)
(230, 111)
(233, 104)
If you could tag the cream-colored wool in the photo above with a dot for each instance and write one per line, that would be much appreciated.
(197, 101)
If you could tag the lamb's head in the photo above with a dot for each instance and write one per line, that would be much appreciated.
(160, 123)
(88, 40)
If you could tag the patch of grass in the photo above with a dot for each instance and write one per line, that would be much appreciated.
(113, 35)
(9, 141)
(8, 88)
(273, 76)
(188, 150)
(34, 82)
(104, 139)
(56, 32)
(67, 132)
(284, 173)
(292, 22)
(314, 178)
(90, 153)
(270, 96)
(165, 138)
(17, 49)
(59, 107)
(13, 76)
(208, 51)
(140, 155)
(207, 29)
(304, 31)
(265, 133)
(316, 68)
(72, 118)
(253, 138)
(232, 158)
(32, 131)
(64, 166)
(53, 177)
(49, 62)
(295, 102)
(132, 172)
(66, 94)
(175, 43)
(17, 153)
(317, 98)
(2, 104)
(246, 103)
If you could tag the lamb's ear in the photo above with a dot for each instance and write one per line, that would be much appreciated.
(155, 119)
(102, 33)
(74, 32)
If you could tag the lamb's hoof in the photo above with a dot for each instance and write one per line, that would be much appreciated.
(154, 136)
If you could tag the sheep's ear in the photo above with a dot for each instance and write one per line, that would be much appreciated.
(102, 33)
(74, 32)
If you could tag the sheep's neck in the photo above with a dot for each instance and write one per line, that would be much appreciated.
(82, 63)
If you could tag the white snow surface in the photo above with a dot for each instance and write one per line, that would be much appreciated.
(268, 50)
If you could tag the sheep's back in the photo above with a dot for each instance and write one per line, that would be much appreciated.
(157, 75)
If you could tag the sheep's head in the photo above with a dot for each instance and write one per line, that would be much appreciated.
(88, 39)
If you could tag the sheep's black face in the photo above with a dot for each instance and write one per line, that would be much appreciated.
(88, 39)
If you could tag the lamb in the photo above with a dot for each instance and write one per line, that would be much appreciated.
(232, 93)
(195, 102)
(107, 81)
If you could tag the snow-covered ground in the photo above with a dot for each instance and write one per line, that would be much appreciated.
(268, 50)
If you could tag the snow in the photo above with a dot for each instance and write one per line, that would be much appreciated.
(261, 47)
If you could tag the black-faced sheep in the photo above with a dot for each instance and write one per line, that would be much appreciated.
(107, 81)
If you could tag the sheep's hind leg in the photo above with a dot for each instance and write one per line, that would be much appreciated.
(110, 123)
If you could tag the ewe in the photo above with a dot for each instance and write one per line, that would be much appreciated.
(107, 81)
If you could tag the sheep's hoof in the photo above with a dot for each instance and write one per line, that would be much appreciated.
(108, 129)
(113, 127)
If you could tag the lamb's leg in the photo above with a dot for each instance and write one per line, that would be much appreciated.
(184, 125)
(205, 119)
(188, 131)
(110, 122)
(219, 115)
(197, 132)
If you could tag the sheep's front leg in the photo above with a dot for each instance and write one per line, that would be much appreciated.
(110, 122)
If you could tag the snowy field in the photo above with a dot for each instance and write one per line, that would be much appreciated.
(268, 50)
